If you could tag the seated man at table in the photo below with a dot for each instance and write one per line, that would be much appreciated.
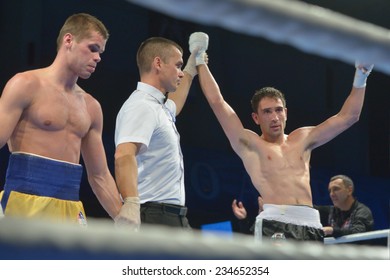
(346, 215)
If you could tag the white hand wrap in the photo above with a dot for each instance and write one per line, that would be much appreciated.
(361, 74)
(129, 215)
(198, 43)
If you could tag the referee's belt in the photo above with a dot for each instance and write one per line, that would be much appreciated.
(165, 207)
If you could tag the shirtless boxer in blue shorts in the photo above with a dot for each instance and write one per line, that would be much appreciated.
(48, 122)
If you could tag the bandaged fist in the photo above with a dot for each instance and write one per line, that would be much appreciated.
(361, 74)
(129, 215)
(198, 44)
(198, 40)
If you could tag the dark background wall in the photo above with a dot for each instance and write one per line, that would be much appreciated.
(315, 89)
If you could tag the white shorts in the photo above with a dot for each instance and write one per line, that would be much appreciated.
(303, 216)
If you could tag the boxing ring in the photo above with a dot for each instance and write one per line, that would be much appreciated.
(38, 240)
(306, 27)
(361, 237)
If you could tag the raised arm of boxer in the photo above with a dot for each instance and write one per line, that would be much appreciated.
(348, 115)
(230, 122)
